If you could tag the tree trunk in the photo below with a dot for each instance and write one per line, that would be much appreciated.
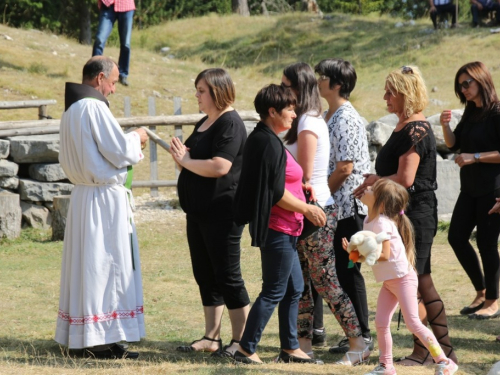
(240, 7)
(85, 33)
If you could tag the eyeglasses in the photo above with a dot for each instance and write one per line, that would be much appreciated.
(323, 78)
(406, 70)
(285, 86)
(466, 84)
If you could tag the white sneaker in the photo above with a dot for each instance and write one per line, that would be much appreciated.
(382, 370)
(444, 368)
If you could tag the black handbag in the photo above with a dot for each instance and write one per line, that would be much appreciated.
(309, 227)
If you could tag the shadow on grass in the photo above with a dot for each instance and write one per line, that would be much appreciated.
(50, 354)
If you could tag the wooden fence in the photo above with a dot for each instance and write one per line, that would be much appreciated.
(40, 104)
(15, 128)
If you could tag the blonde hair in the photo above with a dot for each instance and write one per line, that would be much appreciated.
(408, 81)
(391, 200)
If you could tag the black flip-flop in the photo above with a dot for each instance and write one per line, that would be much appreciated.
(485, 316)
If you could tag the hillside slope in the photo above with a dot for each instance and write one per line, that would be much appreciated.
(254, 50)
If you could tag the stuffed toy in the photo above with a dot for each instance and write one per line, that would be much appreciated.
(366, 246)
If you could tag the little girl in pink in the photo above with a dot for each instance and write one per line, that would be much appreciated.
(386, 202)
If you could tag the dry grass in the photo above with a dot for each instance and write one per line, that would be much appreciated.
(254, 50)
(29, 275)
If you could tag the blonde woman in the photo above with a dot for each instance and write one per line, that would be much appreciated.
(409, 158)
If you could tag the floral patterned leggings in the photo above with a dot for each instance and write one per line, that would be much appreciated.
(317, 260)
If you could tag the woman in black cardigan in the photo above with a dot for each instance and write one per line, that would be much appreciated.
(477, 138)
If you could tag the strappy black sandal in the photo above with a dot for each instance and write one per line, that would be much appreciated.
(224, 353)
(189, 348)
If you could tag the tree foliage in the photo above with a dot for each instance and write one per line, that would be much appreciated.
(68, 16)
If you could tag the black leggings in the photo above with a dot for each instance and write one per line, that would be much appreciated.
(215, 257)
(468, 213)
(351, 279)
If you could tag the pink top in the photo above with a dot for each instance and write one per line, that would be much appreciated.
(397, 266)
(282, 220)
(120, 5)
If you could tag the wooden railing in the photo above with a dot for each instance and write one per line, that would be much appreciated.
(16, 128)
(40, 104)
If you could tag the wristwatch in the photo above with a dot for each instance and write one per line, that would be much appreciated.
(477, 155)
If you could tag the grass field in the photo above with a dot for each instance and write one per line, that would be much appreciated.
(29, 278)
(254, 50)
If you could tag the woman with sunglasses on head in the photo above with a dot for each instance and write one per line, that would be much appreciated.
(409, 158)
(348, 162)
(477, 138)
(308, 142)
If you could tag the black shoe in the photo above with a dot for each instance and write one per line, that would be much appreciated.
(115, 351)
(343, 345)
(288, 358)
(242, 358)
(471, 310)
(223, 352)
(190, 348)
(485, 316)
(123, 80)
(319, 338)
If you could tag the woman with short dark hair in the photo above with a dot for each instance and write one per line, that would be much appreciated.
(270, 197)
(477, 138)
(348, 162)
(210, 162)
(308, 142)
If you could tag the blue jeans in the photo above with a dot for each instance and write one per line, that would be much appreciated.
(107, 18)
(282, 283)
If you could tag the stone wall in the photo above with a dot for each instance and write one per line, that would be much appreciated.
(29, 167)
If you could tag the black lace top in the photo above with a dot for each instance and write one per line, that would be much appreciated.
(420, 135)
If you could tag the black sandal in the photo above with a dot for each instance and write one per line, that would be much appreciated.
(189, 348)
(224, 353)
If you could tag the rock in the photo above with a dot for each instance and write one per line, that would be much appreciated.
(9, 182)
(35, 148)
(495, 370)
(36, 216)
(390, 119)
(10, 215)
(8, 168)
(4, 148)
(448, 179)
(165, 49)
(399, 24)
(49, 205)
(47, 172)
(378, 132)
(456, 116)
(6, 37)
(250, 125)
(434, 89)
(35, 191)
(373, 151)
(59, 215)
(156, 94)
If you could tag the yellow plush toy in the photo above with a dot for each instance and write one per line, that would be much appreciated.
(365, 246)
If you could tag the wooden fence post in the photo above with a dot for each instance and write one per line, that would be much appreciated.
(42, 112)
(178, 128)
(126, 107)
(153, 157)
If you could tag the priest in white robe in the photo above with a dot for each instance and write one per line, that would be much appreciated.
(101, 300)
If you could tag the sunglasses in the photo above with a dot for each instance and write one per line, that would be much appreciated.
(406, 70)
(323, 78)
(466, 84)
